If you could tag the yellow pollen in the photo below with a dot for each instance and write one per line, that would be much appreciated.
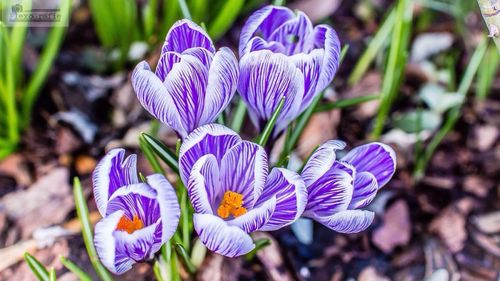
(232, 204)
(125, 224)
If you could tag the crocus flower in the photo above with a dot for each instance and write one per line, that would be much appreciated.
(138, 217)
(338, 189)
(192, 83)
(282, 54)
(231, 192)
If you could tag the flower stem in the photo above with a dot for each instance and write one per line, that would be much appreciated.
(270, 124)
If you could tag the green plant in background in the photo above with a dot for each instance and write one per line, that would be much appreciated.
(19, 93)
(120, 23)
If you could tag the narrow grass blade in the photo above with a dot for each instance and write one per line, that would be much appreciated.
(374, 48)
(186, 260)
(185, 9)
(259, 244)
(150, 155)
(346, 103)
(396, 63)
(487, 72)
(41, 273)
(82, 276)
(52, 274)
(454, 113)
(83, 215)
(17, 38)
(270, 124)
(167, 156)
(225, 18)
(239, 116)
(47, 57)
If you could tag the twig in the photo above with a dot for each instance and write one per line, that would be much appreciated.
(490, 9)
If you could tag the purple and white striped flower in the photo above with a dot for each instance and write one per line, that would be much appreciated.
(283, 54)
(338, 189)
(138, 217)
(192, 83)
(231, 191)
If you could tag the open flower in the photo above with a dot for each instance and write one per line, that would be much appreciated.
(138, 217)
(231, 192)
(337, 189)
(282, 54)
(192, 83)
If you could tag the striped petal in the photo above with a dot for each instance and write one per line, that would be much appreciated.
(349, 221)
(168, 203)
(219, 237)
(208, 139)
(332, 192)
(185, 34)
(265, 78)
(310, 66)
(258, 43)
(256, 218)
(222, 83)
(291, 198)
(155, 98)
(321, 161)
(262, 23)
(376, 158)
(326, 38)
(203, 184)
(136, 200)
(294, 34)
(365, 190)
(166, 63)
(111, 173)
(244, 170)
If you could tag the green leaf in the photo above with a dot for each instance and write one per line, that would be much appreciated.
(75, 269)
(270, 124)
(198, 253)
(259, 244)
(239, 116)
(82, 212)
(36, 267)
(52, 274)
(185, 9)
(346, 103)
(167, 156)
(185, 258)
(225, 18)
(148, 152)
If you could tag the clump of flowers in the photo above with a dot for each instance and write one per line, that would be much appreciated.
(233, 188)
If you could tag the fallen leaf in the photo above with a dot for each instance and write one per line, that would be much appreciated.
(396, 228)
(15, 166)
(371, 274)
(488, 223)
(272, 259)
(50, 201)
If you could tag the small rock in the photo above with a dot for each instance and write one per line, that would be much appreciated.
(485, 137)
(477, 185)
(371, 274)
(488, 223)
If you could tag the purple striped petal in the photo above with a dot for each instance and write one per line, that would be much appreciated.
(332, 192)
(349, 221)
(244, 170)
(265, 78)
(219, 237)
(185, 34)
(208, 139)
(294, 34)
(186, 84)
(105, 245)
(256, 218)
(136, 200)
(376, 158)
(169, 205)
(222, 83)
(155, 98)
(365, 189)
(321, 161)
(326, 38)
(258, 43)
(166, 63)
(203, 184)
(111, 173)
(139, 245)
(262, 23)
(310, 66)
(291, 198)
(202, 54)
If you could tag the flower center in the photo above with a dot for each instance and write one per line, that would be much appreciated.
(125, 224)
(231, 204)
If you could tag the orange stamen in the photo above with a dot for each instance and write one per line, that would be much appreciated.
(232, 204)
(125, 224)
